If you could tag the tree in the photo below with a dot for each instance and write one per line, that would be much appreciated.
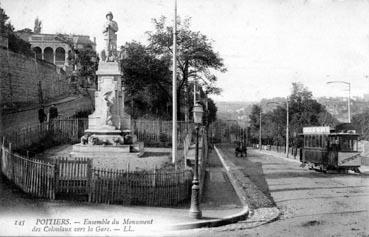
(255, 122)
(303, 111)
(146, 80)
(196, 57)
(361, 124)
(5, 27)
(212, 111)
(87, 61)
(16, 44)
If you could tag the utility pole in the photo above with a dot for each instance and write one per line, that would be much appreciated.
(349, 102)
(174, 88)
(260, 129)
(287, 124)
(194, 92)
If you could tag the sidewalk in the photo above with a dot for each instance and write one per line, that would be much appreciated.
(220, 205)
(56, 102)
(28, 116)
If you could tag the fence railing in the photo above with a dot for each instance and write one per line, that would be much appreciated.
(72, 175)
(78, 177)
(159, 132)
(60, 129)
(293, 152)
(153, 188)
(34, 177)
(151, 132)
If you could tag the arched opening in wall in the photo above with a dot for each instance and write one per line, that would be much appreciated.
(49, 54)
(38, 52)
(59, 56)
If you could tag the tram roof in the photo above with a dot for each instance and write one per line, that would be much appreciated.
(340, 134)
(325, 130)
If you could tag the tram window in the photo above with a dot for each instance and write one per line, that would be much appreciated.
(308, 141)
(333, 141)
(317, 141)
(312, 141)
(355, 145)
(348, 144)
(320, 141)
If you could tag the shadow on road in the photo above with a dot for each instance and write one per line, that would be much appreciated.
(13, 200)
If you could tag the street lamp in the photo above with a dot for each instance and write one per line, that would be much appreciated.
(195, 211)
(287, 124)
(348, 99)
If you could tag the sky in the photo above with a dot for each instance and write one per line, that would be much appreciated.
(266, 44)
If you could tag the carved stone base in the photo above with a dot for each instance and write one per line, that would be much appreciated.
(112, 151)
(106, 136)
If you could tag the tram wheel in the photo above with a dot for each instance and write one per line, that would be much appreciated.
(356, 170)
(323, 169)
(342, 170)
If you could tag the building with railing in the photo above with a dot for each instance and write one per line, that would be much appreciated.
(50, 48)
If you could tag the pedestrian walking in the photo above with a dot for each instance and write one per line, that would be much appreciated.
(53, 112)
(41, 114)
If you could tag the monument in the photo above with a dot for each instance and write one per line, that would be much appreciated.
(109, 126)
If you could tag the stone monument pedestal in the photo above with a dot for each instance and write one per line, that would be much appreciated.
(108, 133)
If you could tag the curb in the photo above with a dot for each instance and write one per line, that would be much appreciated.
(236, 187)
(215, 222)
(242, 215)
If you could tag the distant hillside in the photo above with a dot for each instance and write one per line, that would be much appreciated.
(337, 106)
(240, 110)
(233, 110)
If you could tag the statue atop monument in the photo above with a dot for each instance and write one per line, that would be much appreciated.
(37, 27)
(110, 37)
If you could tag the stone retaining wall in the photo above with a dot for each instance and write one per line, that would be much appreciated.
(21, 77)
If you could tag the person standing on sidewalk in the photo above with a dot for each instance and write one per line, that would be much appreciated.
(53, 114)
(41, 114)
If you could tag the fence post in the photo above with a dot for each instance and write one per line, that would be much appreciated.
(11, 160)
(2, 154)
(89, 179)
(56, 177)
(128, 185)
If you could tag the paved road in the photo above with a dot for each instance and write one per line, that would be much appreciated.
(312, 203)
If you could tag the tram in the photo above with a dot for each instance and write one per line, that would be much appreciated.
(331, 149)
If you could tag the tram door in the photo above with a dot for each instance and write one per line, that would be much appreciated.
(333, 148)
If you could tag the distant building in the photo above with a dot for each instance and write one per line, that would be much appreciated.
(366, 97)
(49, 48)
